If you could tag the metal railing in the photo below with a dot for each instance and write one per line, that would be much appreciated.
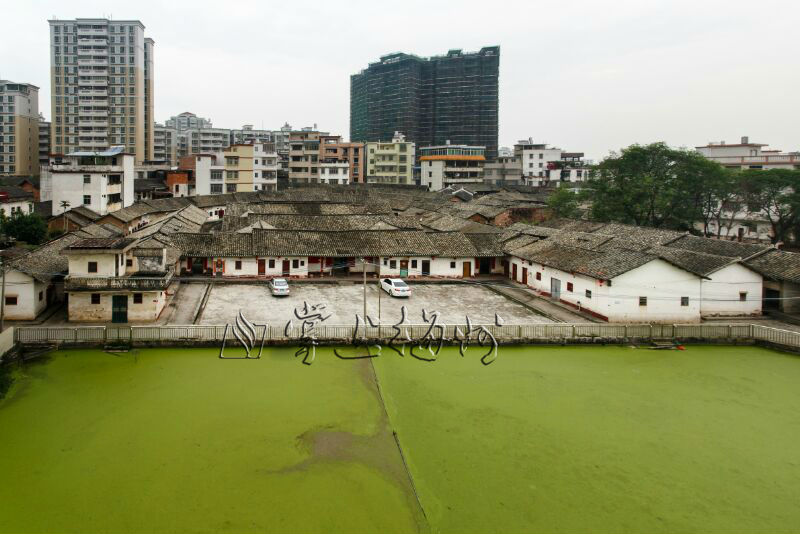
(515, 333)
(145, 283)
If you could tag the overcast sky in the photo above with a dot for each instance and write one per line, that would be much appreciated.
(585, 76)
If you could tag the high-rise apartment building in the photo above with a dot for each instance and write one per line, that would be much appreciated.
(441, 166)
(187, 121)
(432, 100)
(44, 142)
(19, 129)
(102, 86)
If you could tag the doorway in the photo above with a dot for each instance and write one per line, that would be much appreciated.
(485, 266)
(466, 269)
(555, 289)
(525, 275)
(514, 271)
(285, 268)
(262, 267)
(119, 309)
(771, 299)
(505, 268)
(403, 268)
(426, 267)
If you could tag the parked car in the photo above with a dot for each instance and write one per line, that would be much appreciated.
(279, 287)
(396, 287)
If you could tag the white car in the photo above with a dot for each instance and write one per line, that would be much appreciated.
(396, 287)
(279, 287)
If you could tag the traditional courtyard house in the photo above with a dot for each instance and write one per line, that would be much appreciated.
(110, 279)
(616, 285)
(219, 255)
(74, 219)
(141, 214)
(34, 279)
(781, 272)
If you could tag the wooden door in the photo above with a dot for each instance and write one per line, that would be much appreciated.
(555, 289)
(285, 269)
(262, 267)
(466, 269)
(426, 267)
(514, 271)
(525, 275)
(119, 309)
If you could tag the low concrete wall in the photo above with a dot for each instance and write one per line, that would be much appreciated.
(7, 341)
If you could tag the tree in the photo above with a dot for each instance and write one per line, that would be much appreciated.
(563, 202)
(30, 228)
(655, 185)
(775, 194)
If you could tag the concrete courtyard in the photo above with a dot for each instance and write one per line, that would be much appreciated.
(345, 300)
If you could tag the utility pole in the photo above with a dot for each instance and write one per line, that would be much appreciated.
(2, 294)
(364, 270)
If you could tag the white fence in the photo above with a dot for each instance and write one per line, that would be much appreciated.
(554, 333)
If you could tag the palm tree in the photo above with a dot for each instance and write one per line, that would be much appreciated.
(65, 205)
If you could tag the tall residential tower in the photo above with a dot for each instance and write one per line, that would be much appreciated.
(19, 129)
(432, 100)
(101, 74)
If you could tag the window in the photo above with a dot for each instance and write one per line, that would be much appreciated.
(92, 267)
(302, 263)
(385, 261)
(129, 263)
(569, 287)
(230, 188)
(11, 301)
(684, 301)
(742, 296)
(137, 298)
(413, 264)
(588, 294)
(538, 276)
(41, 295)
(216, 188)
(295, 264)
(95, 298)
(238, 265)
(393, 264)
(87, 199)
(271, 264)
(642, 301)
(87, 178)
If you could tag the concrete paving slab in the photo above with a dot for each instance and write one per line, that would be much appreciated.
(344, 301)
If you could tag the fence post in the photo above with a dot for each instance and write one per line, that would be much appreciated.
(730, 331)
(573, 331)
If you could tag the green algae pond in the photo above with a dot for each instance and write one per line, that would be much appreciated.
(545, 439)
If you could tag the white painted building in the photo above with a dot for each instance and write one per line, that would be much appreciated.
(747, 155)
(101, 181)
(110, 280)
(265, 167)
(15, 201)
(334, 173)
(441, 166)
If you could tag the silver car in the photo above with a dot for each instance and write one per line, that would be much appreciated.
(279, 287)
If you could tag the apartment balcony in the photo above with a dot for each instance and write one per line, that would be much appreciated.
(68, 167)
(92, 63)
(91, 31)
(114, 189)
(135, 282)
(92, 114)
(93, 123)
(92, 41)
(93, 92)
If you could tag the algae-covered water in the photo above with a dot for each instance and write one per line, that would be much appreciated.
(545, 439)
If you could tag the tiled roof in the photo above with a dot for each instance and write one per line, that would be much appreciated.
(47, 262)
(319, 222)
(343, 244)
(486, 244)
(777, 265)
(207, 245)
(720, 247)
(452, 245)
(694, 262)
(596, 264)
(102, 243)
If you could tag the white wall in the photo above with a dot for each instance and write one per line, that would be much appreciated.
(81, 309)
(662, 284)
(721, 294)
(23, 207)
(79, 264)
(27, 290)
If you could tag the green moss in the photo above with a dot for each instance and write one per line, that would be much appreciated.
(545, 439)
